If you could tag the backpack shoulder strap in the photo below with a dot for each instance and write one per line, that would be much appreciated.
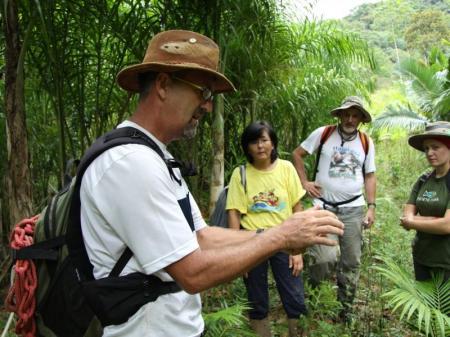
(326, 133)
(364, 141)
(243, 177)
(447, 180)
(424, 177)
(74, 238)
(365, 144)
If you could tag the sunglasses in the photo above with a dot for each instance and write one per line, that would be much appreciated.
(207, 93)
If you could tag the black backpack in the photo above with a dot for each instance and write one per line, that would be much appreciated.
(69, 301)
(219, 216)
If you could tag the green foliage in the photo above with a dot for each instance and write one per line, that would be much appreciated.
(224, 310)
(430, 86)
(424, 304)
(291, 74)
(227, 322)
(427, 29)
(6, 320)
(322, 302)
(402, 117)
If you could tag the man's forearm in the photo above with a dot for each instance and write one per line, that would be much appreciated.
(212, 237)
(205, 268)
(299, 165)
(370, 185)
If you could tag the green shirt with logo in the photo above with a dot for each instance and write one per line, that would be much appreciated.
(431, 199)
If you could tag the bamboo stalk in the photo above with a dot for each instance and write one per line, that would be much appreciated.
(8, 323)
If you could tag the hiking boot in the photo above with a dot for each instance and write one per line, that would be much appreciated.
(261, 327)
(294, 331)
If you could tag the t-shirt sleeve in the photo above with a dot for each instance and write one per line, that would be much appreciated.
(199, 221)
(311, 143)
(236, 197)
(295, 188)
(142, 208)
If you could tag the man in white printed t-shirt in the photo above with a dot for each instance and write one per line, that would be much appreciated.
(345, 166)
(129, 197)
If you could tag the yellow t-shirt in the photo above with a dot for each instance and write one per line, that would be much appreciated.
(270, 196)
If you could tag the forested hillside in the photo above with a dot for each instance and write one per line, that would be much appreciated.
(59, 63)
(398, 31)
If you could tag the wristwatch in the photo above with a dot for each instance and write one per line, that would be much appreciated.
(371, 204)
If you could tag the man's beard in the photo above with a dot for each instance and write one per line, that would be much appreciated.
(190, 130)
(348, 130)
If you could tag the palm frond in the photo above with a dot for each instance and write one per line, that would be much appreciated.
(424, 304)
(429, 86)
(424, 81)
(441, 105)
(399, 117)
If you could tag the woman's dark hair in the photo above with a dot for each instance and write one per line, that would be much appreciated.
(253, 132)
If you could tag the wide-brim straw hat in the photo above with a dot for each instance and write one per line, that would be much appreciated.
(176, 50)
(352, 102)
(434, 130)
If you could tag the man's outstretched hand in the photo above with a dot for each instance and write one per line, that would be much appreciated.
(310, 227)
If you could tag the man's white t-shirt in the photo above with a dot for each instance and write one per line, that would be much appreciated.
(340, 167)
(128, 198)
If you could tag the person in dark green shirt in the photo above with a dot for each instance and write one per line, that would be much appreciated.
(428, 207)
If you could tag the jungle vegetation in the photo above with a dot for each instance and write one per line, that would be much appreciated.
(58, 69)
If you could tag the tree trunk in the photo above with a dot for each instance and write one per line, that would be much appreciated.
(217, 171)
(18, 185)
(218, 166)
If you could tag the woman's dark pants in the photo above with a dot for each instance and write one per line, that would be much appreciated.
(289, 287)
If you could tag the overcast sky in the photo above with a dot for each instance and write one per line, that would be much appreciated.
(326, 9)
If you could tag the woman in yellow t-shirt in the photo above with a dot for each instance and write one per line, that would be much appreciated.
(271, 194)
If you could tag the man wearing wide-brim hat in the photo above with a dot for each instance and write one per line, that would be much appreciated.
(132, 197)
(428, 208)
(344, 172)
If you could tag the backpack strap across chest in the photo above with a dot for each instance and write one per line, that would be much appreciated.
(74, 238)
(101, 294)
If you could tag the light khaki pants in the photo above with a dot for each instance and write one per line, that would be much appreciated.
(344, 258)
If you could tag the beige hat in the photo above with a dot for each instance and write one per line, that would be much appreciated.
(352, 102)
(176, 50)
(438, 130)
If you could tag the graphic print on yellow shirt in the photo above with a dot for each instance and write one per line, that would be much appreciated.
(267, 202)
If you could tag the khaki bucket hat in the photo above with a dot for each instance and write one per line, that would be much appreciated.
(434, 130)
(352, 102)
(176, 50)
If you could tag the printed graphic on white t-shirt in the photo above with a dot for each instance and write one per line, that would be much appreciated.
(344, 163)
(340, 167)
